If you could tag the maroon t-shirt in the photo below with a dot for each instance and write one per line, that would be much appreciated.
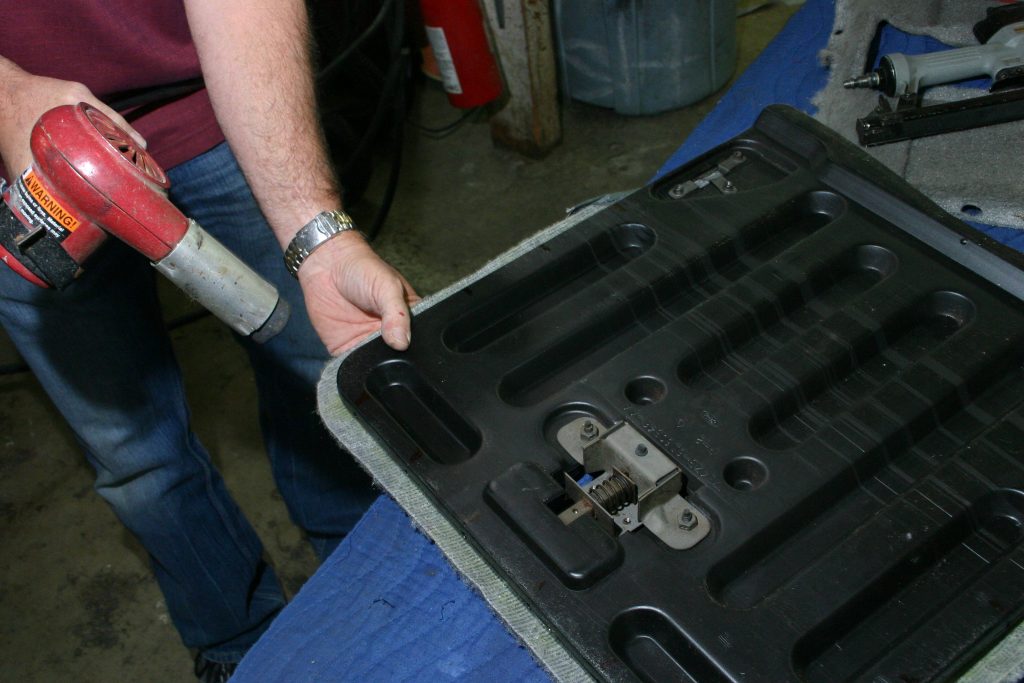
(113, 46)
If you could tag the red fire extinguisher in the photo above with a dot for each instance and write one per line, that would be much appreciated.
(469, 73)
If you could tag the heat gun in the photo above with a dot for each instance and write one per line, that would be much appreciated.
(1000, 57)
(88, 178)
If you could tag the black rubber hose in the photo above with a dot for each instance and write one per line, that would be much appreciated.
(335, 64)
(396, 158)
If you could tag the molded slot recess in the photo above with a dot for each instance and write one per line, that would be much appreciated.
(951, 418)
(806, 409)
(514, 306)
(876, 624)
(828, 288)
(646, 310)
(431, 422)
(578, 554)
(657, 650)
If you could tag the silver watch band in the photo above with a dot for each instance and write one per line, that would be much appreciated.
(323, 227)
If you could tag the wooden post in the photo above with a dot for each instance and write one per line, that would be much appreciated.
(530, 121)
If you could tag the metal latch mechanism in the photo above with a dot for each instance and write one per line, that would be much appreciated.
(716, 176)
(635, 484)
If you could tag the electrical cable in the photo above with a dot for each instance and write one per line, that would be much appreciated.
(335, 64)
(393, 89)
(398, 127)
(187, 319)
(134, 103)
(13, 368)
(391, 81)
(182, 320)
(447, 129)
(755, 7)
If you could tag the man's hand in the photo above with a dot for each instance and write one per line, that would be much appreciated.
(351, 293)
(25, 97)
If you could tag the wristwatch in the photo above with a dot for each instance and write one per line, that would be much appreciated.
(323, 227)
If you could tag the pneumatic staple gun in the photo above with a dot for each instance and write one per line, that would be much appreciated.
(1000, 56)
(89, 179)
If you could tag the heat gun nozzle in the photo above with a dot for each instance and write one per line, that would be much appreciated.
(205, 270)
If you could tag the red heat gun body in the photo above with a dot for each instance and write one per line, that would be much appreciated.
(88, 179)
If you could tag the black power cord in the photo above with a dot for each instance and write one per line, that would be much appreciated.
(13, 368)
(182, 320)
(391, 102)
(335, 65)
(447, 129)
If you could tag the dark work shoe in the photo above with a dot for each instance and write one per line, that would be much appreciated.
(213, 672)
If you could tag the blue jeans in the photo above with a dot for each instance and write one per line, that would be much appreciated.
(100, 350)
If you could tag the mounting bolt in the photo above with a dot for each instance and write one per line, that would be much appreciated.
(729, 186)
(641, 450)
(588, 431)
(738, 156)
(677, 191)
(687, 520)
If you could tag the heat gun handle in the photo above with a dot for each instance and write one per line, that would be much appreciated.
(222, 283)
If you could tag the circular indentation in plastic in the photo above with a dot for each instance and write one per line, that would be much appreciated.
(876, 258)
(566, 413)
(1006, 528)
(951, 311)
(828, 205)
(632, 239)
(643, 391)
(1000, 515)
(971, 210)
(745, 474)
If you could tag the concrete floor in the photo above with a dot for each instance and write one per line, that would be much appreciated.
(77, 599)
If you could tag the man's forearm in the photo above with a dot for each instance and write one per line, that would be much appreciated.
(9, 72)
(255, 56)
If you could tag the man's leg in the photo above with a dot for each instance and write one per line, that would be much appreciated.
(100, 351)
(325, 490)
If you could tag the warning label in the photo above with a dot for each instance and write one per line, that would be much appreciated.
(42, 210)
(445, 64)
